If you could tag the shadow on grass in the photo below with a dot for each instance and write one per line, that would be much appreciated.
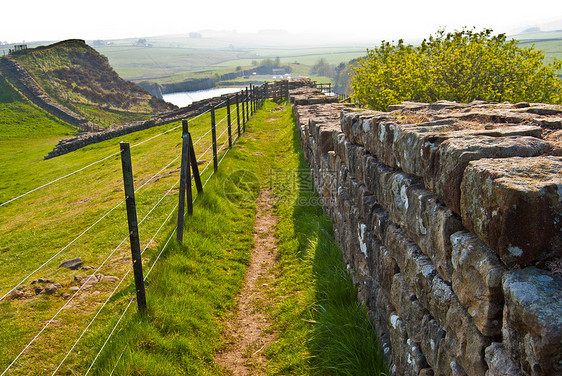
(342, 340)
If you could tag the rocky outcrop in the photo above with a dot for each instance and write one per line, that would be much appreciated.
(448, 215)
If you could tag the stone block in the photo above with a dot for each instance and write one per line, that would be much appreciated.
(410, 140)
(394, 196)
(464, 341)
(498, 193)
(477, 280)
(415, 143)
(406, 354)
(359, 164)
(499, 363)
(532, 320)
(383, 146)
(382, 266)
(431, 224)
(445, 167)
(379, 222)
(408, 307)
(433, 335)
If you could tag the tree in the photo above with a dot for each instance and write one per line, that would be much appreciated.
(323, 68)
(461, 66)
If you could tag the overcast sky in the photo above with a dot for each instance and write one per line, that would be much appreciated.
(40, 20)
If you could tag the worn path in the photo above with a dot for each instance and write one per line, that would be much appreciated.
(248, 331)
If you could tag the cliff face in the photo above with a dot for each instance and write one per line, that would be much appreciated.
(76, 76)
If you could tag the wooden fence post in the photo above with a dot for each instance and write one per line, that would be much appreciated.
(228, 120)
(214, 134)
(238, 114)
(255, 98)
(247, 107)
(243, 111)
(184, 171)
(133, 225)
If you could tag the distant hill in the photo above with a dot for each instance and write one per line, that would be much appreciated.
(77, 77)
(548, 41)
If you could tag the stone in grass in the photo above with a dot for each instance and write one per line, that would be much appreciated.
(50, 288)
(72, 264)
(532, 321)
(515, 206)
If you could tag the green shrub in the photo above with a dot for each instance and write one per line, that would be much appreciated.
(461, 66)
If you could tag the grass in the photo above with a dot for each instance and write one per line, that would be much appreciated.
(42, 223)
(323, 331)
(192, 288)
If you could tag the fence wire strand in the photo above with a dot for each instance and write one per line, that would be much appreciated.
(122, 279)
(96, 162)
(118, 246)
(75, 294)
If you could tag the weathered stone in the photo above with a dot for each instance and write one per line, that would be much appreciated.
(108, 278)
(415, 144)
(445, 167)
(408, 307)
(477, 281)
(50, 289)
(498, 193)
(72, 264)
(447, 365)
(400, 349)
(396, 235)
(426, 372)
(430, 223)
(381, 264)
(499, 363)
(433, 335)
(464, 341)
(394, 196)
(15, 294)
(532, 323)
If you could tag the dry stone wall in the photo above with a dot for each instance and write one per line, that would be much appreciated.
(449, 216)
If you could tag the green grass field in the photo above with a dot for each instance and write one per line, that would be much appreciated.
(192, 287)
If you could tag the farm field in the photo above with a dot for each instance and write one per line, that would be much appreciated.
(176, 58)
(550, 42)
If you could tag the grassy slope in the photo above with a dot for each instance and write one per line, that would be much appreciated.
(76, 76)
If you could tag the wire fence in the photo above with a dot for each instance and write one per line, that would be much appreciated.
(239, 108)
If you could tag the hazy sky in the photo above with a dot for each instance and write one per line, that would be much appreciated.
(33, 20)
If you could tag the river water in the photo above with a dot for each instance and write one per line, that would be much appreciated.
(185, 98)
